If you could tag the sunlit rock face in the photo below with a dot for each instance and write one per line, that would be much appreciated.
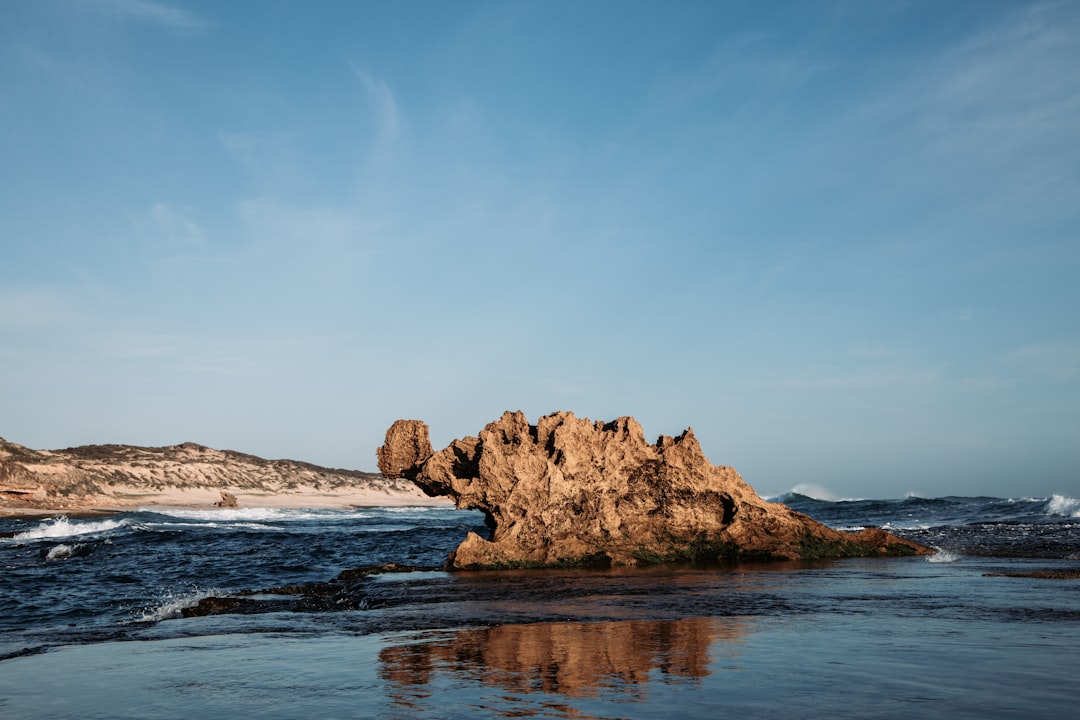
(571, 492)
(407, 443)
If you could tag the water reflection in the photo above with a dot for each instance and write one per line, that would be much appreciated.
(567, 659)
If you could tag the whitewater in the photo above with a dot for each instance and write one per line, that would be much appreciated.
(93, 623)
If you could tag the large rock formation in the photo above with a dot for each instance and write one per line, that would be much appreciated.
(568, 491)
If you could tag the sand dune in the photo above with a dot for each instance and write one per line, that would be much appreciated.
(95, 478)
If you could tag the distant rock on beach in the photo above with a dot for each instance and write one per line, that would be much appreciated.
(571, 492)
(109, 477)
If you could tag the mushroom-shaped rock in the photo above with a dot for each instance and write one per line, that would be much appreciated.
(407, 445)
(568, 491)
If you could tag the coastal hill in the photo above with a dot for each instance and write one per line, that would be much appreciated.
(113, 477)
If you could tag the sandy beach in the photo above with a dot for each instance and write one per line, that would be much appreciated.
(125, 498)
(98, 479)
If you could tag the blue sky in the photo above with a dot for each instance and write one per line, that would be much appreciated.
(839, 239)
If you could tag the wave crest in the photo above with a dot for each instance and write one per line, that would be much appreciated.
(64, 551)
(257, 514)
(61, 527)
(171, 604)
(1061, 506)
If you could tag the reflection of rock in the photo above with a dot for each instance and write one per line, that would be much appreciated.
(568, 491)
(570, 658)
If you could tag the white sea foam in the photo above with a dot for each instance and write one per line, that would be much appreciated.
(911, 525)
(229, 525)
(63, 551)
(1061, 506)
(61, 527)
(943, 556)
(257, 514)
(171, 603)
(817, 492)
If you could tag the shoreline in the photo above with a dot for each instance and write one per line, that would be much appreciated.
(126, 499)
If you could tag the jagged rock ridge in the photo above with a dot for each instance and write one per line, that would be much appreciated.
(568, 491)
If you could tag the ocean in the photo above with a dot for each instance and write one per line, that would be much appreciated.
(92, 621)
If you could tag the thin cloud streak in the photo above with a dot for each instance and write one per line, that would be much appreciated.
(175, 224)
(383, 103)
(152, 12)
(996, 95)
(924, 378)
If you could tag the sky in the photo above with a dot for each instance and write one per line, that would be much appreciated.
(840, 239)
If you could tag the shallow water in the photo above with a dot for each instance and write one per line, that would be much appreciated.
(854, 638)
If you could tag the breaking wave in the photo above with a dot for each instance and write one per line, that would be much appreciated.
(172, 603)
(1061, 506)
(64, 551)
(256, 514)
(61, 527)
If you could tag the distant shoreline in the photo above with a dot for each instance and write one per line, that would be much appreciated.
(207, 499)
(105, 479)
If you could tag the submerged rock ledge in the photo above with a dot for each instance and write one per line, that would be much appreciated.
(570, 492)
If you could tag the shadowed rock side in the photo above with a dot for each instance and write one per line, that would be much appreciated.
(571, 492)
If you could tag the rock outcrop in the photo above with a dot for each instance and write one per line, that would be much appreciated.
(571, 492)
(228, 500)
(407, 444)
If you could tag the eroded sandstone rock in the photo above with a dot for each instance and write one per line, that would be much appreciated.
(407, 444)
(568, 491)
(228, 500)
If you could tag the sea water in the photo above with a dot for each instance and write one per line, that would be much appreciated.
(91, 624)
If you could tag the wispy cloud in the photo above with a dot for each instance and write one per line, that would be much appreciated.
(999, 101)
(272, 223)
(383, 103)
(152, 12)
(325, 244)
(167, 224)
(958, 315)
(854, 380)
(176, 223)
